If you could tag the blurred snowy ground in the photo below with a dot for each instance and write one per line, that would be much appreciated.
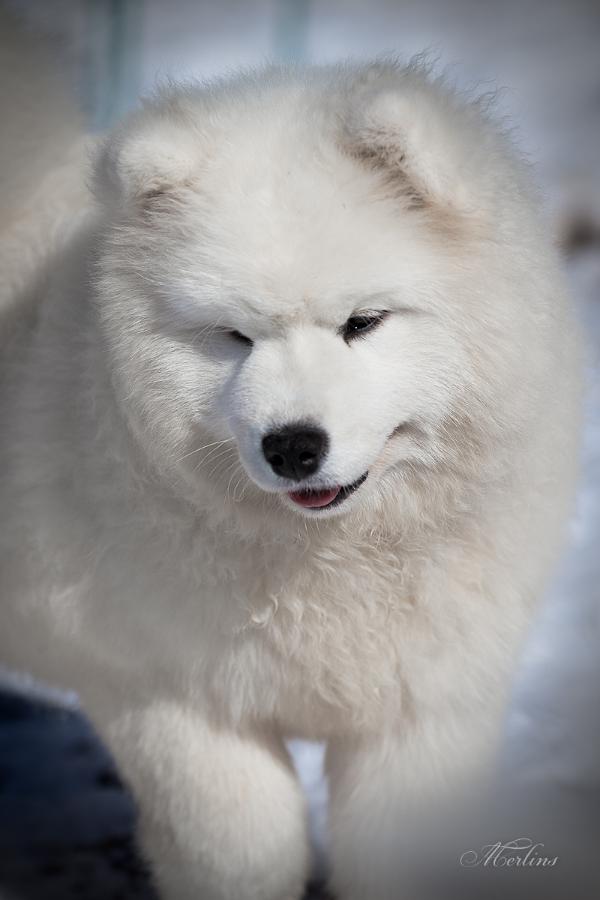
(60, 801)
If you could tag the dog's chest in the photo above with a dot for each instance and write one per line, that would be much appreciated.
(319, 645)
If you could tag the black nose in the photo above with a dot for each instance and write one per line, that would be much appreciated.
(295, 451)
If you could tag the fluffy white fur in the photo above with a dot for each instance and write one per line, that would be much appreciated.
(151, 559)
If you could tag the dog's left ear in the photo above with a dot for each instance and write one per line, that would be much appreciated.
(155, 152)
(430, 146)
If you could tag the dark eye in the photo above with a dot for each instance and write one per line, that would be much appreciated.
(358, 325)
(240, 338)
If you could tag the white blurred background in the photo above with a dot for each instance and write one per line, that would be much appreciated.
(543, 58)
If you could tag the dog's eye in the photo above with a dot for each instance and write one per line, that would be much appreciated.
(360, 324)
(240, 338)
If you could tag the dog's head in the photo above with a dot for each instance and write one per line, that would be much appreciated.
(308, 282)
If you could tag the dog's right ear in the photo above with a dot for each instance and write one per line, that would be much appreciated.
(155, 152)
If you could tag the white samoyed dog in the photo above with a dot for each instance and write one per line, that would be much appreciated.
(289, 426)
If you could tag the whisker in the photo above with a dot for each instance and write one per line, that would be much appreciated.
(214, 456)
(233, 474)
(205, 447)
(225, 471)
(237, 499)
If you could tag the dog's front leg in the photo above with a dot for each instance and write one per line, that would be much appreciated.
(221, 814)
(390, 797)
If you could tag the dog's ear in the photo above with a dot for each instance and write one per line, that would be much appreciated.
(152, 155)
(430, 146)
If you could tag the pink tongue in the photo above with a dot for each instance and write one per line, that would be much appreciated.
(314, 499)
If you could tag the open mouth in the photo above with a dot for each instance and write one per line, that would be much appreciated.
(326, 498)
